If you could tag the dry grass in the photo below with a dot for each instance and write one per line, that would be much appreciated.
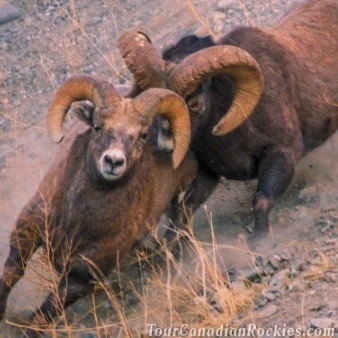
(318, 268)
(166, 291)
(196, 291)
(199, 17)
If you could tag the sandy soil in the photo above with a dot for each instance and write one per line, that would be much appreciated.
(55, 39)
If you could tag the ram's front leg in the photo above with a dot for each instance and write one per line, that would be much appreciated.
(184, 207)
(275, 172)
(23, 243)
(77, 283)
(69, 290)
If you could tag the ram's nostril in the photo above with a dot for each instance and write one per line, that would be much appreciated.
(113, 161)
(108, 159)
(168, 151)
(119, 162)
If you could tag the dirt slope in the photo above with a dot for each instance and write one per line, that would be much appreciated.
(54, 39)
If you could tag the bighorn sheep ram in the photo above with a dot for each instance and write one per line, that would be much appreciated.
(258, 98)
(104, 191)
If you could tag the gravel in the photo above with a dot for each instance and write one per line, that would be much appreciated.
(8, 13)
(268, 311)
(323, 323)
(48, 41)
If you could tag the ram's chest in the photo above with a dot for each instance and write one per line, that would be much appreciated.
(227, 157)
(92, 217)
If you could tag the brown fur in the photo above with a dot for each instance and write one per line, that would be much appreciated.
(298, 58)
(79, 218)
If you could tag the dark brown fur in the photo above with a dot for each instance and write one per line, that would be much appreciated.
(298, 58)
(86, 224)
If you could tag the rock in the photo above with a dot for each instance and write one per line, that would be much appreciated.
(330, 241)
(232, 271)
(250, 227)
(327, 222)
(319, 308)
(28, 21)
(275, 262)
(296, 287)
(201, 32)
(92, 21)
(285, 257)
(218, 26)
(2, 162)
(252, 274)
(5, 123)
(330, 277)
(238, 286)
(331, 313)
(219, 16)
(269, 269)
(216, 301)
(144, 335)
(137, 23)
(267, 311)
(223, 4)
(324, 227)
(279, 280)
(260, 302)
(217, 306)
(88, 335)
(8, 13)
(277, 258)
(309, 196)
(198, 300)
(259, 261)
(323, 323)
(295, 268)
(268, 295)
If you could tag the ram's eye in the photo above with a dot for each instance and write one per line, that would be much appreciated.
(97, 127)
(144, 136)
(195, 106)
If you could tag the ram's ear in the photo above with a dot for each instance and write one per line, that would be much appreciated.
(84, 110)
(195, 101)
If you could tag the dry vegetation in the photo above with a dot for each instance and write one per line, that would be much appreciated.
(171, 295)
(153, 287)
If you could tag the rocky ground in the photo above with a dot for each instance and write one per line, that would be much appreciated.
(43, 42)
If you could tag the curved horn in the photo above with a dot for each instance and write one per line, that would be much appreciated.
(217, 60)
(142, 59)
(78, 88)
(157, 101)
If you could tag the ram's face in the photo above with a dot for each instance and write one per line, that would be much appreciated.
(199, 109)
(119, 125)
(117, 140)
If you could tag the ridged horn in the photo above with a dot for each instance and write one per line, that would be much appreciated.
(217, 60)
(142, 59)
(158, 101)
(78, 88)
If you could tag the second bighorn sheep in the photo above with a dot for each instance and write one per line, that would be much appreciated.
(103, 192)
(258, 98)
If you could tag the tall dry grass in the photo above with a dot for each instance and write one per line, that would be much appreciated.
(153, 286)
(166, 291)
